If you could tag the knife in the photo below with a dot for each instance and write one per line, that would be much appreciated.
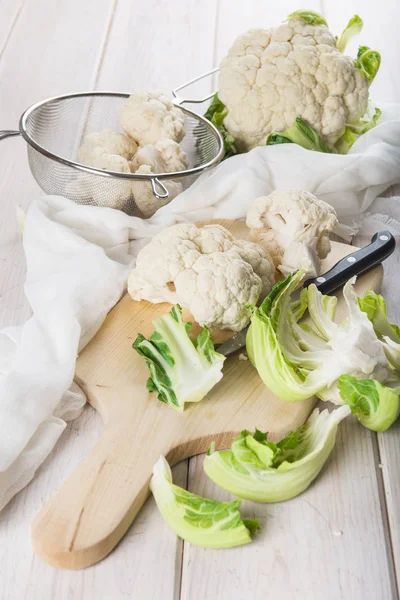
(382, 245)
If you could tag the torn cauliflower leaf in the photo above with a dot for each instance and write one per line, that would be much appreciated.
(204, 269)
(294, 226)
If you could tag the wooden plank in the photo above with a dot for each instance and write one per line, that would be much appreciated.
(144, 565)
(326, 543)
(61, 44)
(9, 13)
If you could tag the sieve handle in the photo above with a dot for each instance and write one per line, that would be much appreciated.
(8, 133)
(178, 100)
(157, 183)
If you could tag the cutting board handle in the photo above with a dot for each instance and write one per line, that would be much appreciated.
(95, 506)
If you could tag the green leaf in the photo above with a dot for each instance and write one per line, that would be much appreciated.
(298, 459)
(309, 16)
(353, 27)
(216, 113)
(368, 62)
(374, 306)
(181, 370)
(300, 133)
(199, 521)
(375, 405)
(354, 130)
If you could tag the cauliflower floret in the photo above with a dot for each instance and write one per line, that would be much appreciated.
(294, 226)
(145, 200)
(148, 117)
(166, 156)
(271, 76)
(181, 261)
(108, 150)
(218, 289)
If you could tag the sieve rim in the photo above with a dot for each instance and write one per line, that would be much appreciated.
(116, 174)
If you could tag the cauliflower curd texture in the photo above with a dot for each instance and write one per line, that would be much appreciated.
(271, 76)
(294, 226)
(206, 270)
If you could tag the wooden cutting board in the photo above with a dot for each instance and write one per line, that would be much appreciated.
(95, 506)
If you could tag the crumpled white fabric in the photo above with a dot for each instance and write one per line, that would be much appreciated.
(79, 257)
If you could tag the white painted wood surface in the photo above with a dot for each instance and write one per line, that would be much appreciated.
(53, 46)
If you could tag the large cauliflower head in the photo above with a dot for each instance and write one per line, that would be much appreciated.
(107, 150)
(271, 76)
(205, 269)
(294, 226)
(148, 117)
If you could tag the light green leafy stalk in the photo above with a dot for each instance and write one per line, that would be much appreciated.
(296, 358)
(181, 370)
(216, 113)
(300, 133)
(374, 306)
(375, 405)
(197, 520)
(353, 27)
(355, 130)
(368, 62)
(309, 16)
(262, 471)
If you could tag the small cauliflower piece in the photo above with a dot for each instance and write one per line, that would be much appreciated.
(145, 200)
(294, 226)
(112, 192)
(107, 150)
(166, 156)
(204, 269)
(148, 117)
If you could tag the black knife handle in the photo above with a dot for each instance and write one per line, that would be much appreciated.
(382, 245)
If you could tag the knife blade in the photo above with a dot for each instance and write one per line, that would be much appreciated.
(382, 245)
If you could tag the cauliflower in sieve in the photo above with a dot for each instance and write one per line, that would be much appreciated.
(143, 195)
(166, 156)
(205, 269)
(107, 150)
(270, 77)
(294, 226)
(148, 117)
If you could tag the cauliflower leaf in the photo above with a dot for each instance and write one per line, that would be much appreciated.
(300, 133)
(181, 369)
(216, 113)
(353, 27)
(259, 470)
(197, 520)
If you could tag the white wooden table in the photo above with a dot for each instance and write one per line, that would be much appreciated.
(338, 540)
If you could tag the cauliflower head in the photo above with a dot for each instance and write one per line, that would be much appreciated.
(107, 150)
(148, 117)
(204, 269)
(143, 195)
(294, 226)
(166, 156)
(272, 76)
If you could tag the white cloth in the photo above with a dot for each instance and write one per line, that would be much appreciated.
(79, 257)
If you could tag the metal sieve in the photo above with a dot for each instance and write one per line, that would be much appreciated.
(54, 130)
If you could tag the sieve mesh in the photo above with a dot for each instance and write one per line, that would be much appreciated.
(55, 128)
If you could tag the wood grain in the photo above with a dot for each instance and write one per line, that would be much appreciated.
(94, 508)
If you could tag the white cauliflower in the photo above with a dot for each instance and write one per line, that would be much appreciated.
(148, 117)
(294, 226)
(143, 195)
(107, 150)
(166, 156)
(205, 269)
(111, 192)
(272, 76)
